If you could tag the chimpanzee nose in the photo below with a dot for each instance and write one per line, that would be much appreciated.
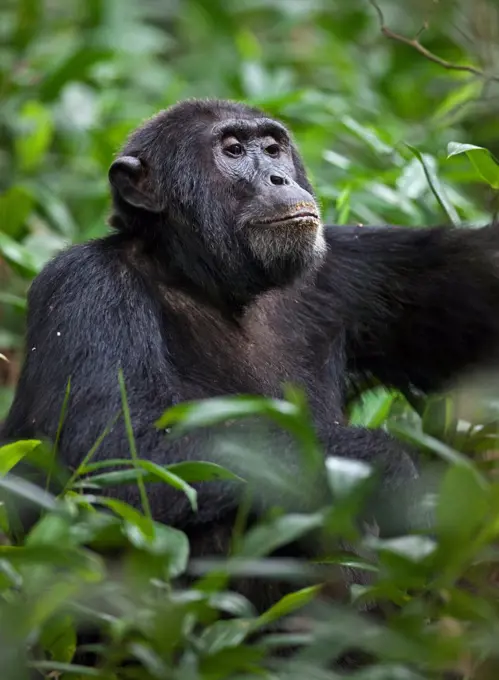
(278, 180)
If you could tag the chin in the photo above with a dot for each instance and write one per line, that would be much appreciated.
(286, 252)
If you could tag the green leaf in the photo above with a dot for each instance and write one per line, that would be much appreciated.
(11, 454)
(224, 634)
(265, 538)
(71, 669)
(75, 67)
(191, 415)
(372, 408)
(248, 45)
(425, 441)
(286, 605)
(80, 561)
(452, 106)
(166, 542)
(343, 206)
(58, 638)
(481, 159)
(191, 471)
(231, 603)
(17, 254)
(14, 300)
(54, 209)
(114, 478)
(290, 413)
(368, 135)
(35, 134)
(23, 489)
(164, 475)
(15, 207)
(122, 509)
(462, 503)
(199, 471)
(28, 16)
(439, 418)
(412, 548)
(435, 185)
(346, 476)
(151, 472)
(133, 448)
(52, 529)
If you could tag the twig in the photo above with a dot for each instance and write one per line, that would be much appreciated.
(415, 44)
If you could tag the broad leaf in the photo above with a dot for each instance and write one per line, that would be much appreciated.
(481, 159)
(11, 454)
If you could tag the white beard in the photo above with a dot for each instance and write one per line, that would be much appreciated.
(280, 243)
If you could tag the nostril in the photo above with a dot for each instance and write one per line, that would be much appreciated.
(277, 180)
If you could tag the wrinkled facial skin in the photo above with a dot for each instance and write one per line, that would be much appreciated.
(275, 214)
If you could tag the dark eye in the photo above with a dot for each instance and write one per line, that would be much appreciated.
(234, 150)
(273, 150)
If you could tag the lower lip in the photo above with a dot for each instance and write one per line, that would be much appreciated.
(296, 220)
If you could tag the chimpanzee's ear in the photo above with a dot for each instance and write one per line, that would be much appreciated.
(128, 176)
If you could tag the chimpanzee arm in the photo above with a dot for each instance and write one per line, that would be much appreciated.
(90, 313)
(419, 306)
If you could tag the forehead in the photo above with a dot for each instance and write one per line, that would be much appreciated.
(249, 127)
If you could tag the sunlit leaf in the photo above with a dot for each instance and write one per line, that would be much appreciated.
(286, 605)
(481, 159)
(11, 454)
(372, 408)
(453, 104)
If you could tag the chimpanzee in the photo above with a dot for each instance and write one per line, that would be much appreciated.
(221, 279)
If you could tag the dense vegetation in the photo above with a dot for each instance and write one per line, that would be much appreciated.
(381, 99)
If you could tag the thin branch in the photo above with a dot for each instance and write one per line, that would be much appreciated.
(415, 44)
(423, 28)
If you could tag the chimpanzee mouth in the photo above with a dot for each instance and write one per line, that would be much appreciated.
(305, 217)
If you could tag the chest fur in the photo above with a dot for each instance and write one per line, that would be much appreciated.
(256, 355)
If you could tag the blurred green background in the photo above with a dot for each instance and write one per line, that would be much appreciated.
(77, 75)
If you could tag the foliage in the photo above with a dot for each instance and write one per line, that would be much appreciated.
(389, 136)
(435, 585)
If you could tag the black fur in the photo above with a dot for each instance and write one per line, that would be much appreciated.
(177, 299)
